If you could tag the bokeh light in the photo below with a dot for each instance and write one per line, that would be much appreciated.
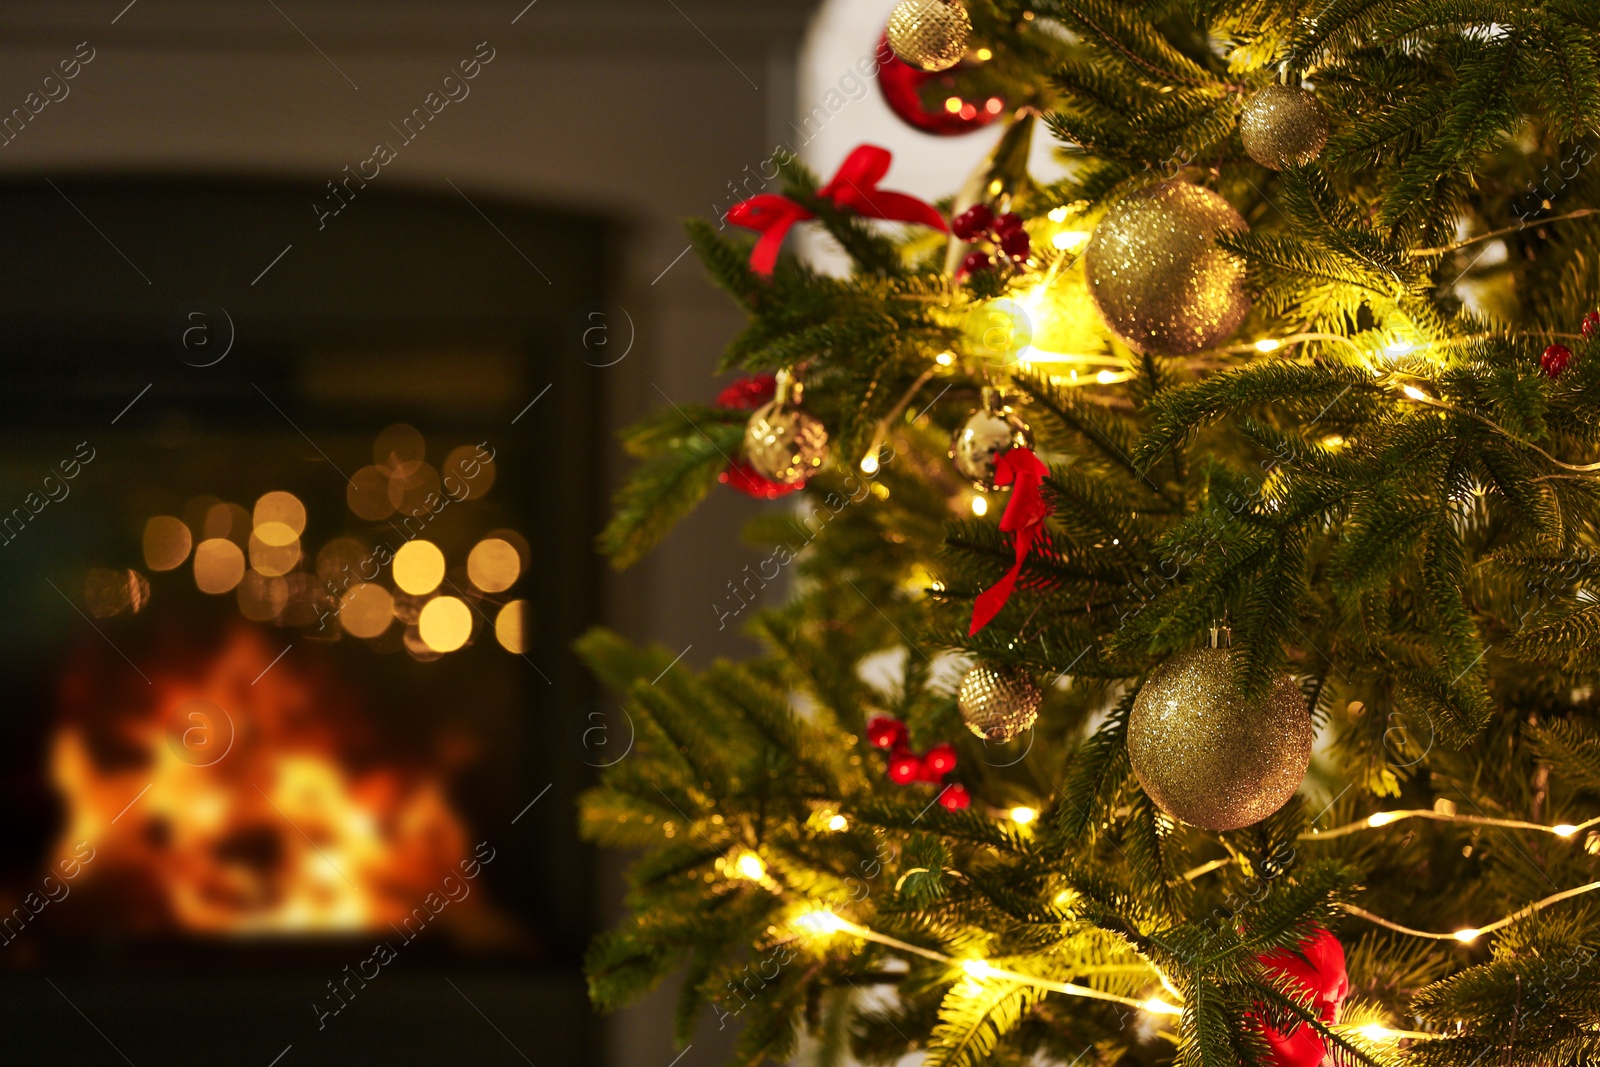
(262, 598)
(494, 565)
(108, 592)
(166, 543)
(446, 623)
(339, 562)
(417, 492)
(510, 627)
(366, 611)
(368, 494)
(281, 507)
(218, 564)
(273, 560)
(275, 533)
(399, 450)
(228, 521)
(468, 474)
(418, 567)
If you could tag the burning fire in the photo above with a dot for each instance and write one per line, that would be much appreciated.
(235, 803)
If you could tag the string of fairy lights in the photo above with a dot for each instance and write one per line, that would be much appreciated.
(821, 922)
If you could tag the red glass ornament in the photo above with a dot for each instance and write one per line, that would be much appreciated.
(1317, 967)
(1555, 360)
(974, 262)
(940, 759)
(1015, 244)
(972, 223)
(955, 798)
(904, 767)
(1010, 222)
(1591, 323)
(924, 100)
(887, 733)
(747, 394)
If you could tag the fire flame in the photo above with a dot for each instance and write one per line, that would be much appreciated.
(249, 818)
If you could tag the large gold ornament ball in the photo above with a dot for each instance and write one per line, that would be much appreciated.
(1207, 756)
(784, 444)
(1283, 126)
(1157, 275)
(987, 435)
(930, 34)
(998, 703)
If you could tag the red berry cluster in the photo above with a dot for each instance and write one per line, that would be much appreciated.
(906, 767)
(978, 223)
(1557, 356)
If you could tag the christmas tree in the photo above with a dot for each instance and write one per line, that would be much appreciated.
(1194, 614)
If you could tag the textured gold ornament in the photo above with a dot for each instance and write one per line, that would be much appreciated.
(988, 434)
(1208, 757)
(783, 443)
(1283, 126)
(1157, 276)
(930, 34)
(998, 703)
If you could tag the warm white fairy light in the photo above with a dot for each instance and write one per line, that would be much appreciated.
(749, 866)
(1157, 1006)
(1564, 830)
(869, 462)
(945, 359)
(1023, 816)
(838, 824)
(1414, 393)
(980, 506)
(1469, 935)
(979, 969)
(1268, 344)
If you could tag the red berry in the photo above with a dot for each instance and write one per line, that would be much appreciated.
(1010, 222)
(1591, 323)
(955, 798)
(904, 768)
(972, 223)
(885, 732)
(1016, 245)
(975, 262)
(1555, 360)
(941, 759)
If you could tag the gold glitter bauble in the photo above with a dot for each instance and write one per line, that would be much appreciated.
(988, 433)
(1156, 274)
(998, 703)
(1283, 126)
(1208, 757)
(783, 443)
(930, 34)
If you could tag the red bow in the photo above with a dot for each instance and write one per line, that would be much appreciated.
(1024, 517)
(854, 187)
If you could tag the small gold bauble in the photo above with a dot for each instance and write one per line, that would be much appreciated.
(783, 443)
(988, 434)
(1283, 126)
(1157, 275)
(998, 703)
(1207, 756)
(930, 34)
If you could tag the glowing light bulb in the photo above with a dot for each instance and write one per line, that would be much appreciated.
(1160, 1007)
(869, 463)
(1400, 348)
(1057, 214)
(953, 104)
(1468, 936)
(1106, 377)
(944, 359)
(749, 866)
(1063, 898)
(980, 506)
(819, 923)
(984, 55)
(1333, 440)
(1382, 818)
(1564, 830)
(1023, 816)
(838, 824)
(1414, 393)
(978, 969)
(1374, 1032)
(1268, 344)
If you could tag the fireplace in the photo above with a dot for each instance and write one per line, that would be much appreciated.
(290, 769)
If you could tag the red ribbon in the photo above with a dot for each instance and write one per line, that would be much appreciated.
(1024, 518)
(853, 188)
(1318, 968)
